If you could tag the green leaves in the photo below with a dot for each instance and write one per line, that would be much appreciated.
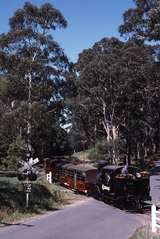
(33, 67)
(47, 17)
(142, 22)
(16, 150)
(111, 79)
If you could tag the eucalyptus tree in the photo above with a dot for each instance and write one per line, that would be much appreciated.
(110, 84)
(141, 23)
(34, 66)
(98, 91)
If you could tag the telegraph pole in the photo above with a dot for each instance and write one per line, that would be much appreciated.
(27, 185)
(26, 171)
(27, 196)
(29, 77)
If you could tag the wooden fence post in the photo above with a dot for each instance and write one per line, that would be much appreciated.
(153, 217)
(49, 177)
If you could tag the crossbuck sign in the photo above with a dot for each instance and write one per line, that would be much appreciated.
(26, 167)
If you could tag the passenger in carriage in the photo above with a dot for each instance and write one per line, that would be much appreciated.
(124, 170)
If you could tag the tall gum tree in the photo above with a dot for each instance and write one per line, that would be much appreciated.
(110, 84)
(99, 89)
(142, 23)
(34, 66)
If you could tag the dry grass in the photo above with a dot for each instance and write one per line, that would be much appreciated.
(83, 155)
(144, 233)
(44, 197)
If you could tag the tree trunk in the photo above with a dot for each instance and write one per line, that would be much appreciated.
(145, 152)
(107, 130)
(138, 150)
(128, 155)
(114, 138)
(154, 147)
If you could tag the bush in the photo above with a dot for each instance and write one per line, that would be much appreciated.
(43, 197)
(99, 152)
(103, 150)
(17, 149)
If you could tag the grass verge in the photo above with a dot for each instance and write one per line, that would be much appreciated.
(144, 233)
(44, 197)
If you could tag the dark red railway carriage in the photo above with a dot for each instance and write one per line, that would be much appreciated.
(80, 177)
(55, 164)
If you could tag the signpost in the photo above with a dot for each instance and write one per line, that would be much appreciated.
(27, 172)
(27, 188)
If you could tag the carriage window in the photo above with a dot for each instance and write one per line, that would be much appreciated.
(57, 170)
(65, 172)
(118, 171)
(62, 171)
(80, 176)
(133, 170)
(70, 173)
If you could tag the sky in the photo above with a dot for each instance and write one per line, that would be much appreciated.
(88, 21)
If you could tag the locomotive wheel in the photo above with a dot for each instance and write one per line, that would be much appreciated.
(98, 193)
(120, 203)
(137, 204)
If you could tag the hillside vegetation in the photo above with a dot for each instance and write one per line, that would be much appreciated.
(44, 197)
(144, 233)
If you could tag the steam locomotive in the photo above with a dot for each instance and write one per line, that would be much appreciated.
(132, 186)
(105, 182)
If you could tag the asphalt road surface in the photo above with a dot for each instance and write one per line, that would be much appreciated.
(87, 219)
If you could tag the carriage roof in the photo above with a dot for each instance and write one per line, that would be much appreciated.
(79, 167)
(112, 167)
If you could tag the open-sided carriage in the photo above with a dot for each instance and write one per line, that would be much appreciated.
(80, 177)
(55, 165)
(118, 187)
(72, 174)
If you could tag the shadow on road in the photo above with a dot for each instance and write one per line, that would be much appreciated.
(129, 207)
(16, 224)
(144, 210)
(155, 170)
(157, 179)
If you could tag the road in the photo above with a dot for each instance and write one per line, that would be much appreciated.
(86, 219)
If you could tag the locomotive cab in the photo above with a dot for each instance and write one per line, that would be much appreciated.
(132, 186)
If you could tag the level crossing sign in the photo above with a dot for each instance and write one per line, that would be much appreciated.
(27, 187)
(26, 168)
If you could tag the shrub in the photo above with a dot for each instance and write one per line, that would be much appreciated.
(17, 149)
(103, 150)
